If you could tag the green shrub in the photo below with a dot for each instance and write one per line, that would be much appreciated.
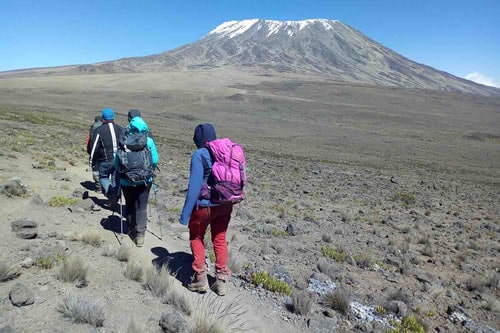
(45, 262)
(271, 283)
(406, 198)
(380, 309)
(334, 254)
(61, 201)
(277, 232)
(408, 324)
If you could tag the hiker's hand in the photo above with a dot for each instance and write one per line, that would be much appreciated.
(182, 221)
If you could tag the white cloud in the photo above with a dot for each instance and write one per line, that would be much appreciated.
(482, 79)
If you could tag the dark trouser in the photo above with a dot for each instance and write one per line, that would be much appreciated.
(217, 217)
(136, 203)
(95, 176)
(107, 177)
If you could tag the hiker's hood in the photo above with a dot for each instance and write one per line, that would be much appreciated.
(132, 113)
(203, 133)
(138, 125)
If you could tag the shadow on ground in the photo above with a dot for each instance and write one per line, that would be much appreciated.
(112, 223)
(88, 185)
(179, 263)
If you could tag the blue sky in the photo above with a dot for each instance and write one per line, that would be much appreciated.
(460, 36)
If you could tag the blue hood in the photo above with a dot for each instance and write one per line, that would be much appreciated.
(203, 133)
(138, 125)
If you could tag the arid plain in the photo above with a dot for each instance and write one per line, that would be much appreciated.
(372, 203)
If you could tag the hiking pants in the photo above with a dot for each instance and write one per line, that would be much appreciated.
(217, 217)
(107, 176)
(136, 203)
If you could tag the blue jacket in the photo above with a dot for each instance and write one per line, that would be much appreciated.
(137, 124)
(201, 166)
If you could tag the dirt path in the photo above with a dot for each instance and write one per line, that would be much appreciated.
(173, 248)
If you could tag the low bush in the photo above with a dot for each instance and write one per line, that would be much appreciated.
(330, 252)
(61, 201)
(408, 324)
(271, 283)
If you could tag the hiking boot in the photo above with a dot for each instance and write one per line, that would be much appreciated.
(199, 285)
(132, 233)
(219, 287)
(139, 241)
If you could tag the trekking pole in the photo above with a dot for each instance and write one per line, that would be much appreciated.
(121, 213)
(157, 208)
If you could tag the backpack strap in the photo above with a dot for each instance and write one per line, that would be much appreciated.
(113, 137)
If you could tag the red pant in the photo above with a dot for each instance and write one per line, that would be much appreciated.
(218, 218)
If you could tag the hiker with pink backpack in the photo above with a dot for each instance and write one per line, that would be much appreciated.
(216, 182)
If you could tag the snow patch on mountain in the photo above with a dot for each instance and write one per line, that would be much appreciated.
(232, 29)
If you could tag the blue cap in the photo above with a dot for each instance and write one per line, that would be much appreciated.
(108, 114)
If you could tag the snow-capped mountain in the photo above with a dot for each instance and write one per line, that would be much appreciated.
(320, 47)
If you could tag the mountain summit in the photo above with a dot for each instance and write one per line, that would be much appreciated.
(326, 47)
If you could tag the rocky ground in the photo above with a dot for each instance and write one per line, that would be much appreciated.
(348, 246)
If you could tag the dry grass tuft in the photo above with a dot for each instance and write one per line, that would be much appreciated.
(492, 304)
(109, 251)
(235, 262)
(180, 300)
(134, 272)
(72, 269)
(8, 271)
(159, 281)
(338, 301)
(302, 302)
(133, 327)
(92, 237)
(123, 253)
(162, 285)
(213, 316)
(82, 309)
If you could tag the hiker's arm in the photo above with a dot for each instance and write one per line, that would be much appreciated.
(93, 145)
(154, 152)
(194, 188)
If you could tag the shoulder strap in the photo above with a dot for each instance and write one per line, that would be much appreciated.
(113, 137)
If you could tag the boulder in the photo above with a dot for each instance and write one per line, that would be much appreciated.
(174, 323)
(20, 295)
(25, 229)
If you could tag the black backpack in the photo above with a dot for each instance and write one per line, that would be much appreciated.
(134, 158)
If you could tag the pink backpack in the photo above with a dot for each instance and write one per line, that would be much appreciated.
(228, 177)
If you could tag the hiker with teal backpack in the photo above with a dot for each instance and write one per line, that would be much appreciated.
(136, 161)
(216, 181)
(103, 148)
